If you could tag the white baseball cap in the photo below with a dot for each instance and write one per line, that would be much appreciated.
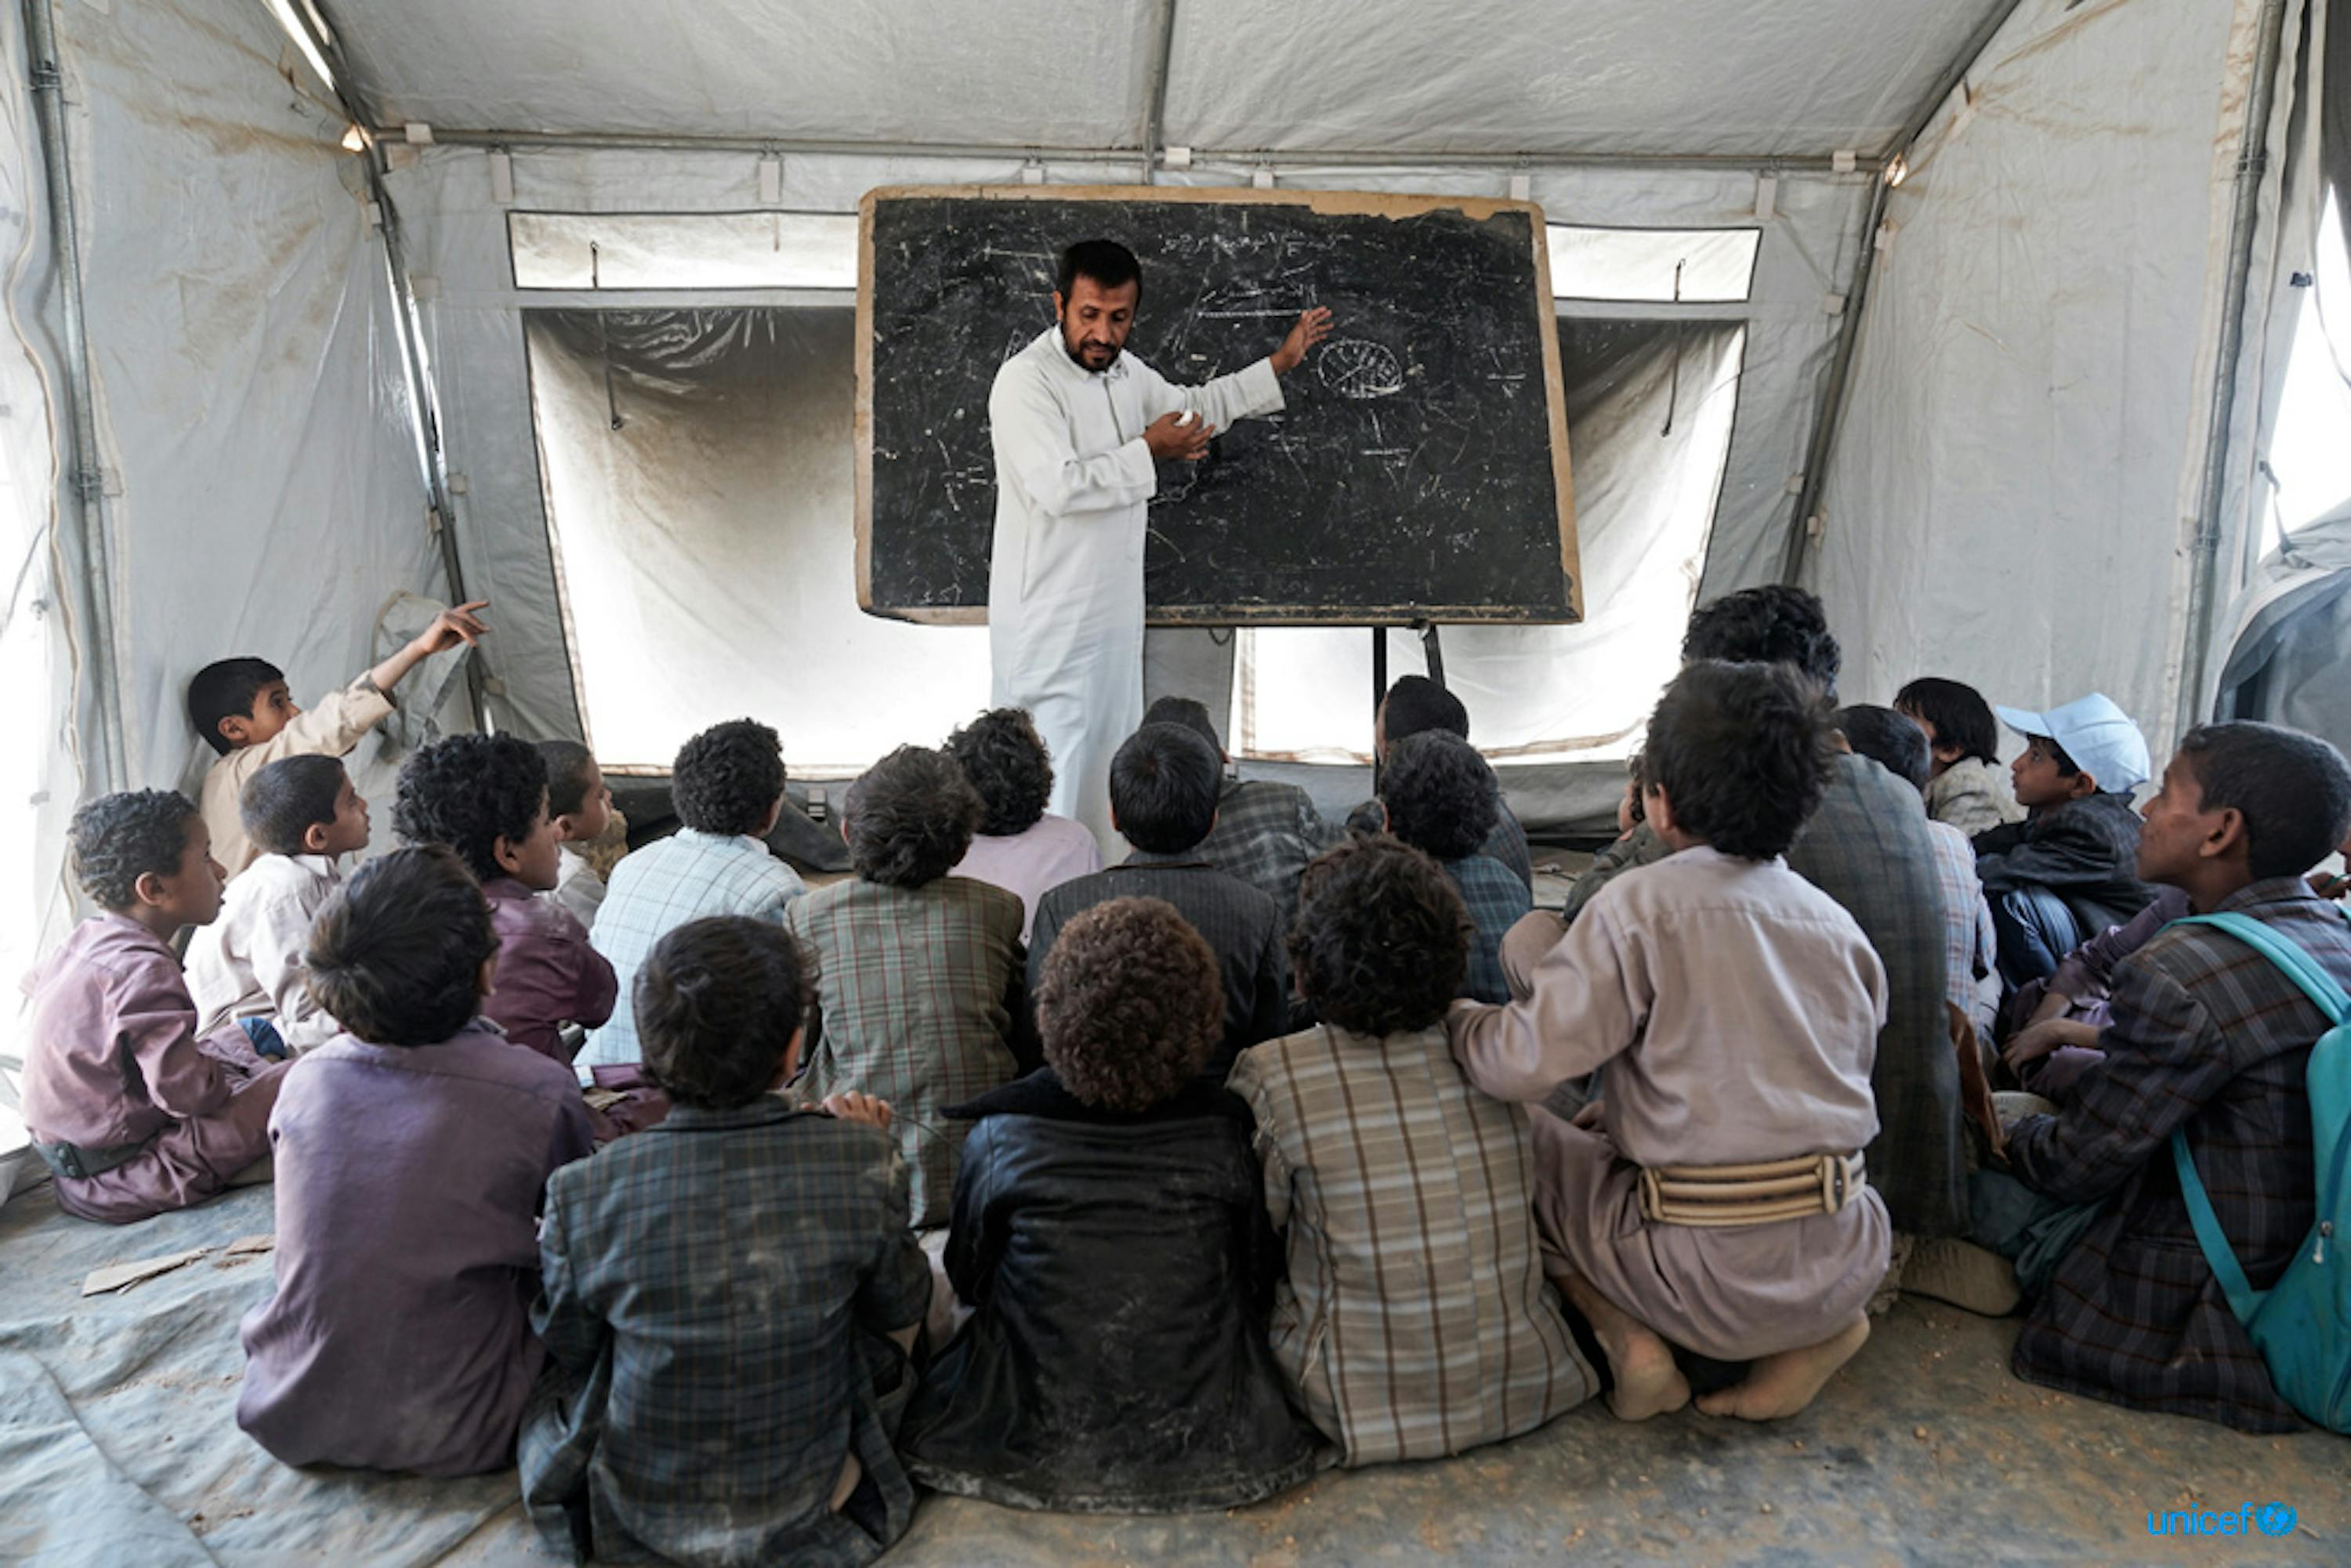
(2099, 736)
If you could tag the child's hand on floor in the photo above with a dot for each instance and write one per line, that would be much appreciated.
(2030, 1044)
(452, 627)
(853, 1106)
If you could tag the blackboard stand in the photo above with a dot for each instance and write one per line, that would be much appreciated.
(1431, 649)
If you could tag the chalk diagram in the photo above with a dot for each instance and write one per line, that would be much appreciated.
(1358, 369)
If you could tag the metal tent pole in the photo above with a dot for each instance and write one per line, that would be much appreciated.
(84, 524)
(1154, 123)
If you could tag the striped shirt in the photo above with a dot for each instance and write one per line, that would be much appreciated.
(656, 890)
(1416, 1322)
(916, 987)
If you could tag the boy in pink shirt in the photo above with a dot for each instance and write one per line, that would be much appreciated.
(134, 1114)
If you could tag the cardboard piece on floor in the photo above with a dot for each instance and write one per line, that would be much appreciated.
(122, 1275)
(244, 1246)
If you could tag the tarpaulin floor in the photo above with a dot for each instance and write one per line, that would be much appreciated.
(118, 1445)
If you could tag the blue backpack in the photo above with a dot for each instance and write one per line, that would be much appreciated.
(2301, 1325)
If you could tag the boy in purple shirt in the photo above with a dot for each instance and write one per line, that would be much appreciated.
(486, 796)
(415, 1148)
(133, 1114)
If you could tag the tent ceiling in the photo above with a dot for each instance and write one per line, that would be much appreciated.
(1573, 77)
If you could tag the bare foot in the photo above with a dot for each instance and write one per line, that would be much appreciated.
(1647, 1382)
(1778, 1385)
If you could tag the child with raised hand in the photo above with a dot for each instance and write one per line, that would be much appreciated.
(486, 796)
(744, 1413)
(1416, 1322)
(1966, 786)
(131, 1109)
(244, 711)
(304, 816)
(1111, 1236)
(1715, 1199)
(581, 809)
(413, 1149)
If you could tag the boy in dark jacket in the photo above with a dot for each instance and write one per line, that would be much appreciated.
(2065, 872)
(1111, 1237)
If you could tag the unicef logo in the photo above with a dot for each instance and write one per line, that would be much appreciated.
(2268, 1517)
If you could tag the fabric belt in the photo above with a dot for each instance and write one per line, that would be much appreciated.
(1751, 1194)
(74, 1163)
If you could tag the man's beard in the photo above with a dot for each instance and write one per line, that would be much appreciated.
(1078, 355)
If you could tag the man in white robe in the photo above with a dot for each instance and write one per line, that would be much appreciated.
(1076, 425)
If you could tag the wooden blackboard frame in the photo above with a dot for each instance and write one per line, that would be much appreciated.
(1342, 203)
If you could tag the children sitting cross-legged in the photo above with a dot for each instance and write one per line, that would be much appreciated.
(2208, 1039)
(1715, 1199)
(1265, 831)
(1111, 1236)
(1019, 847)
(244, 711)
(1441, 798)
(304, 816)
(727, 784)
(2063, 874)
(134, 1111)
(1416, 1322)
(919, 973)
(484, 796)
(730, 1299)
(581, 809)
(411, 1151)
(1966, 786)
(1163, 799)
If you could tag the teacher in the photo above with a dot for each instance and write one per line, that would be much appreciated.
(1077, 425)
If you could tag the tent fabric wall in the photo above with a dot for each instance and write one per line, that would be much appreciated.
(2012, 487)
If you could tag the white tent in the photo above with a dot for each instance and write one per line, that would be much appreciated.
(1998, 383)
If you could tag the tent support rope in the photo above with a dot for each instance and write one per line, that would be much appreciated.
(84, 522)
(2244, 224)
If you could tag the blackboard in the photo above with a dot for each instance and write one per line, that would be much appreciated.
(1419, 470)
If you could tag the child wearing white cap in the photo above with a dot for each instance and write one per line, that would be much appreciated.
(2067, 870)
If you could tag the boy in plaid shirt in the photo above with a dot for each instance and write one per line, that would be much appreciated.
(919, 973)
(1442, 800)
(730, 1298)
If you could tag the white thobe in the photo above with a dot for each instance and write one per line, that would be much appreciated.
(248, 962)
(1065, 586)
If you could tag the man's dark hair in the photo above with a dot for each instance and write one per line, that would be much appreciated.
(468, 792)
(570, 768)
(1440, 795)
(2293, 789)
(1131, 1004)
(281, 801)
(396, 955)
(1005, 758)
(118, 839)
(1743, 753)
(226, 690)
(1381, 940)
(717, 1002)
(1957, 711)
(1192, 714)
(1416, 704)
(1110, 264)
(1163, 786)
(727, 778)
(1770, 625)
(1886, 738)
(911, 818)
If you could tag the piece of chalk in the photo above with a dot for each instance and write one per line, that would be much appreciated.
(1189, 416)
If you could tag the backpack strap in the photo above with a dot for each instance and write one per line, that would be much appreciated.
(2243, 1299)
(2321, 987)
(2288, 955)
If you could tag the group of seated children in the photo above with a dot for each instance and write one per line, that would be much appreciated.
(1162, 1186)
